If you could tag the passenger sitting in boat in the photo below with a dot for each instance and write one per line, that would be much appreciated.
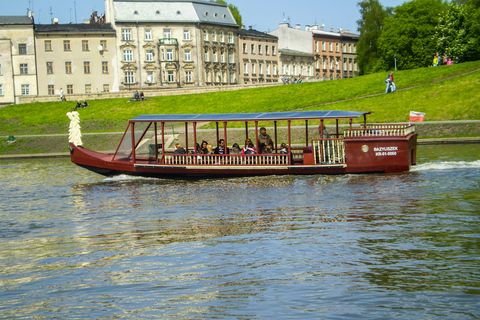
(249, 148)
(197, 149)
(204, 147)
(221, 148)
(267, 149)
(284, 148)
(236, 149)
(264, 139)
(209, 149)
(179, 149)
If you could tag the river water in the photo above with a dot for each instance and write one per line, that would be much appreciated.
(76, 245)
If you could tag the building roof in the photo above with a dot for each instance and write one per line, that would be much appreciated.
(74, 28)
(173, 11)
(15, 20)
(295, 52)
(264, 116)
(255, 33)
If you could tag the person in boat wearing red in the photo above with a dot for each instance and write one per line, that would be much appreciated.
(179, 149)
(221, 148)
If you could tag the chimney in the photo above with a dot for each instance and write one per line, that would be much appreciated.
(250, 28)
(297, 26)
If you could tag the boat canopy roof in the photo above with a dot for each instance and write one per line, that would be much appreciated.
(263, 116)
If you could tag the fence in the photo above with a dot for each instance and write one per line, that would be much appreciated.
(226, 160)
(393, 130)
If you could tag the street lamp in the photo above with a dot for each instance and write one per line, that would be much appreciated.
(395, 62)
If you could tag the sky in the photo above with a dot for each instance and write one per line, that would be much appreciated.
(262, 15)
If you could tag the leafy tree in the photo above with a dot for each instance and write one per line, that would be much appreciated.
(408, 35)
(457, 33)
(235, 12)
(370, 27)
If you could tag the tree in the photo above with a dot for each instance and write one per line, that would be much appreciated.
(408, 35)
(235, 12)
(457, 33)
(370, 27)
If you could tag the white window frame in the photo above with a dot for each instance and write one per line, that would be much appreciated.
(214, 36)
(167, 35)
(150, 77)
(205, 35)
(188, 76)
(245, 68)
(169, 54)
(230, 57)
(126, 34)
(222, 37)
(129, 77)
(148, 34)
(188, 55)
(171, 76)
(25, 89)
(186, 34)
(206, 56)
(1, 89)
(127, 55)
(230, 37)
(215, 55)
(149, 55)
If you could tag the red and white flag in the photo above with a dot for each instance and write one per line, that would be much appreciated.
(417, 116)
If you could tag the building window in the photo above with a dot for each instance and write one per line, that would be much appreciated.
(273, 51)
(25, 89)
(336, 47)
(149, 55)
(222, 57)
(330, 47)
(126, 34)
(48, 45)
(230, 37)
(51, 90)
(170, 76)
(266, 50)
(23, 68)
(85, 45)
(169, 54)
(245, 48)
(22, 48)
(129, 77)
(205, 35)
(252, 48)
(49, 67)
(188, 55)
(253, 68)
(206, 55)
(214, 56)
(323, 46)
(230, 57)
(104, 67)
(69, 88)
(214, 36)
(86, 67)
(103, 43)
(260, 71)
(222, 37)
(268, 69)
(88, 88)
(316, 46)
(66, 45)
(127, 55)
(232, 77)
(150, 77)
(186, 34)
(0, 69)
(148, 34)
(167, 34)
(245, 68)
(188, 76)
(68, 67)
(106, 88)
(1, 89)
(259, 49)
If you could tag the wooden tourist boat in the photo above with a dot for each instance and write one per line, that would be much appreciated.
(357, 148)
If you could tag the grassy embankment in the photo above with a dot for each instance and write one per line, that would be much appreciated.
(443, 93)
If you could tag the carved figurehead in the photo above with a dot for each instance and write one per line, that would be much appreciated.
(74, 133)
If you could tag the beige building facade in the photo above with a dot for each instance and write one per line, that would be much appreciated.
(258, 56)
(171, 44)
(349, 54)
(17, 59)
(76, 59)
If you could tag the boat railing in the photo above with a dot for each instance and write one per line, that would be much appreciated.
(385, 130)
(226, 160)
(329, 151)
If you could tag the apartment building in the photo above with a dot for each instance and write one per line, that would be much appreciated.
(349, 54)
(259, 56)
(76, 58)
(17, 58)
(295, 51)
(164, 44)
(327, 54)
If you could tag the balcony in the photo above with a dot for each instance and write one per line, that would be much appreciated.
(168, 42)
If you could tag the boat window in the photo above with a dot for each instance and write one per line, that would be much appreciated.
(146, 141)
(124, 152)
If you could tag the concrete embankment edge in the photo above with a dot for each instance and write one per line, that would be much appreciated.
(433, 141)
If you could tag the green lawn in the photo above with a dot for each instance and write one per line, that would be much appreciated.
(456, 98)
